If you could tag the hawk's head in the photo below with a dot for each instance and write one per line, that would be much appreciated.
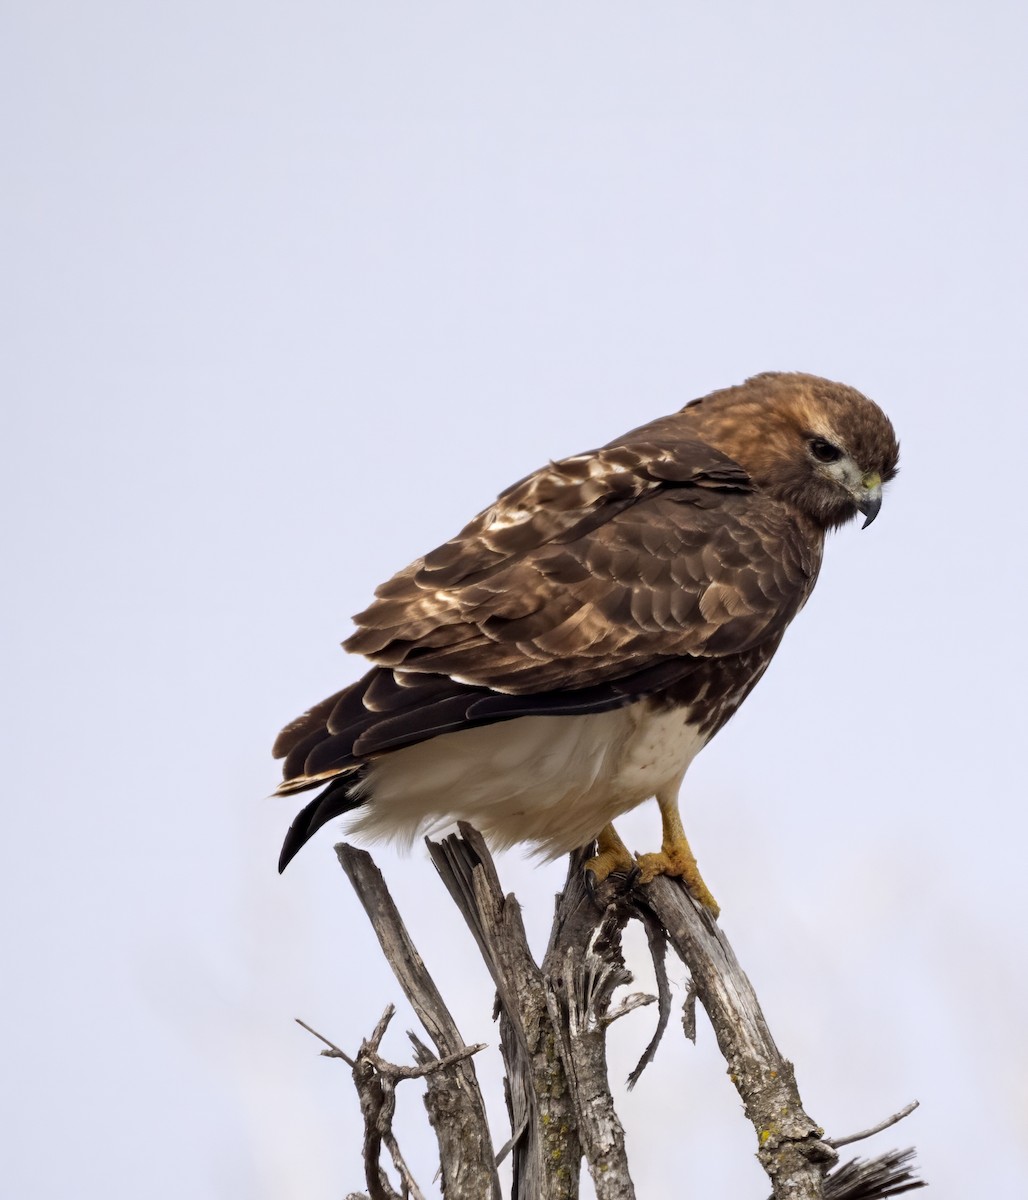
(819, 445)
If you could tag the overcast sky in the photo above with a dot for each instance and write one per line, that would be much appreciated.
(290, 291)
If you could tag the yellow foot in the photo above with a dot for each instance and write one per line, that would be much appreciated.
(676, 859)
(611, 855)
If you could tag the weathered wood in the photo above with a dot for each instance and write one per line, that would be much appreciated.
(553, 1023)
(546, 1151)
(375, 1080)
(583, 967)
(791, 1147)
(466, 1153)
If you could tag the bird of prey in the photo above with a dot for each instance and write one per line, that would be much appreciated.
(567, 654)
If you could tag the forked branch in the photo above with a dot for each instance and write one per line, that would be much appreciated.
(553, 1020)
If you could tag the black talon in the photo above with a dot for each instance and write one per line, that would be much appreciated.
(631, 879)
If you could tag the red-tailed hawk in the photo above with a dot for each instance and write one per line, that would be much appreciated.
(567, 654)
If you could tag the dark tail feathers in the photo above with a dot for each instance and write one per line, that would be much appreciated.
(333, 802)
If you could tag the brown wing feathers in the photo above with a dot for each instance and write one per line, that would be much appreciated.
(515, 601)
(703, 577)
(604, 604)
(604, 579)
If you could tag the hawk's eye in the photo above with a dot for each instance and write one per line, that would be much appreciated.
(824, 451)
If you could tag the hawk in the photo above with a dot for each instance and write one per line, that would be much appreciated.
(569, 652)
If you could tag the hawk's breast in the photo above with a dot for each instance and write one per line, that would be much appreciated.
(551, 781)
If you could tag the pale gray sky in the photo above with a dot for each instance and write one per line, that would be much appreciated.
(292, 290)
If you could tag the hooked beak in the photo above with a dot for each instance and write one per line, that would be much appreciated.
(869, 501)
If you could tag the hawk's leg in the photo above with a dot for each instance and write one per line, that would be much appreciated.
(611, 855)
(675, 856)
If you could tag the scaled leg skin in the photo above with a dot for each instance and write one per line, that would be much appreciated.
(611, 855)
(675, 856)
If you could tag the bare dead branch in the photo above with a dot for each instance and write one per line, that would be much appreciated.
(465, 1147)
(512, 1141)
(439, 1103)
(378, 1103)
(656, 939)
(553, 1023)
(393, 1070)
(378, 1033)
(376, 1080)
(866, 1133)
(628, 1004)
(411, 1189)
(583, 967)
(547, 1156)
(422, 1070)
(790, 1145)
(333, 1050)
